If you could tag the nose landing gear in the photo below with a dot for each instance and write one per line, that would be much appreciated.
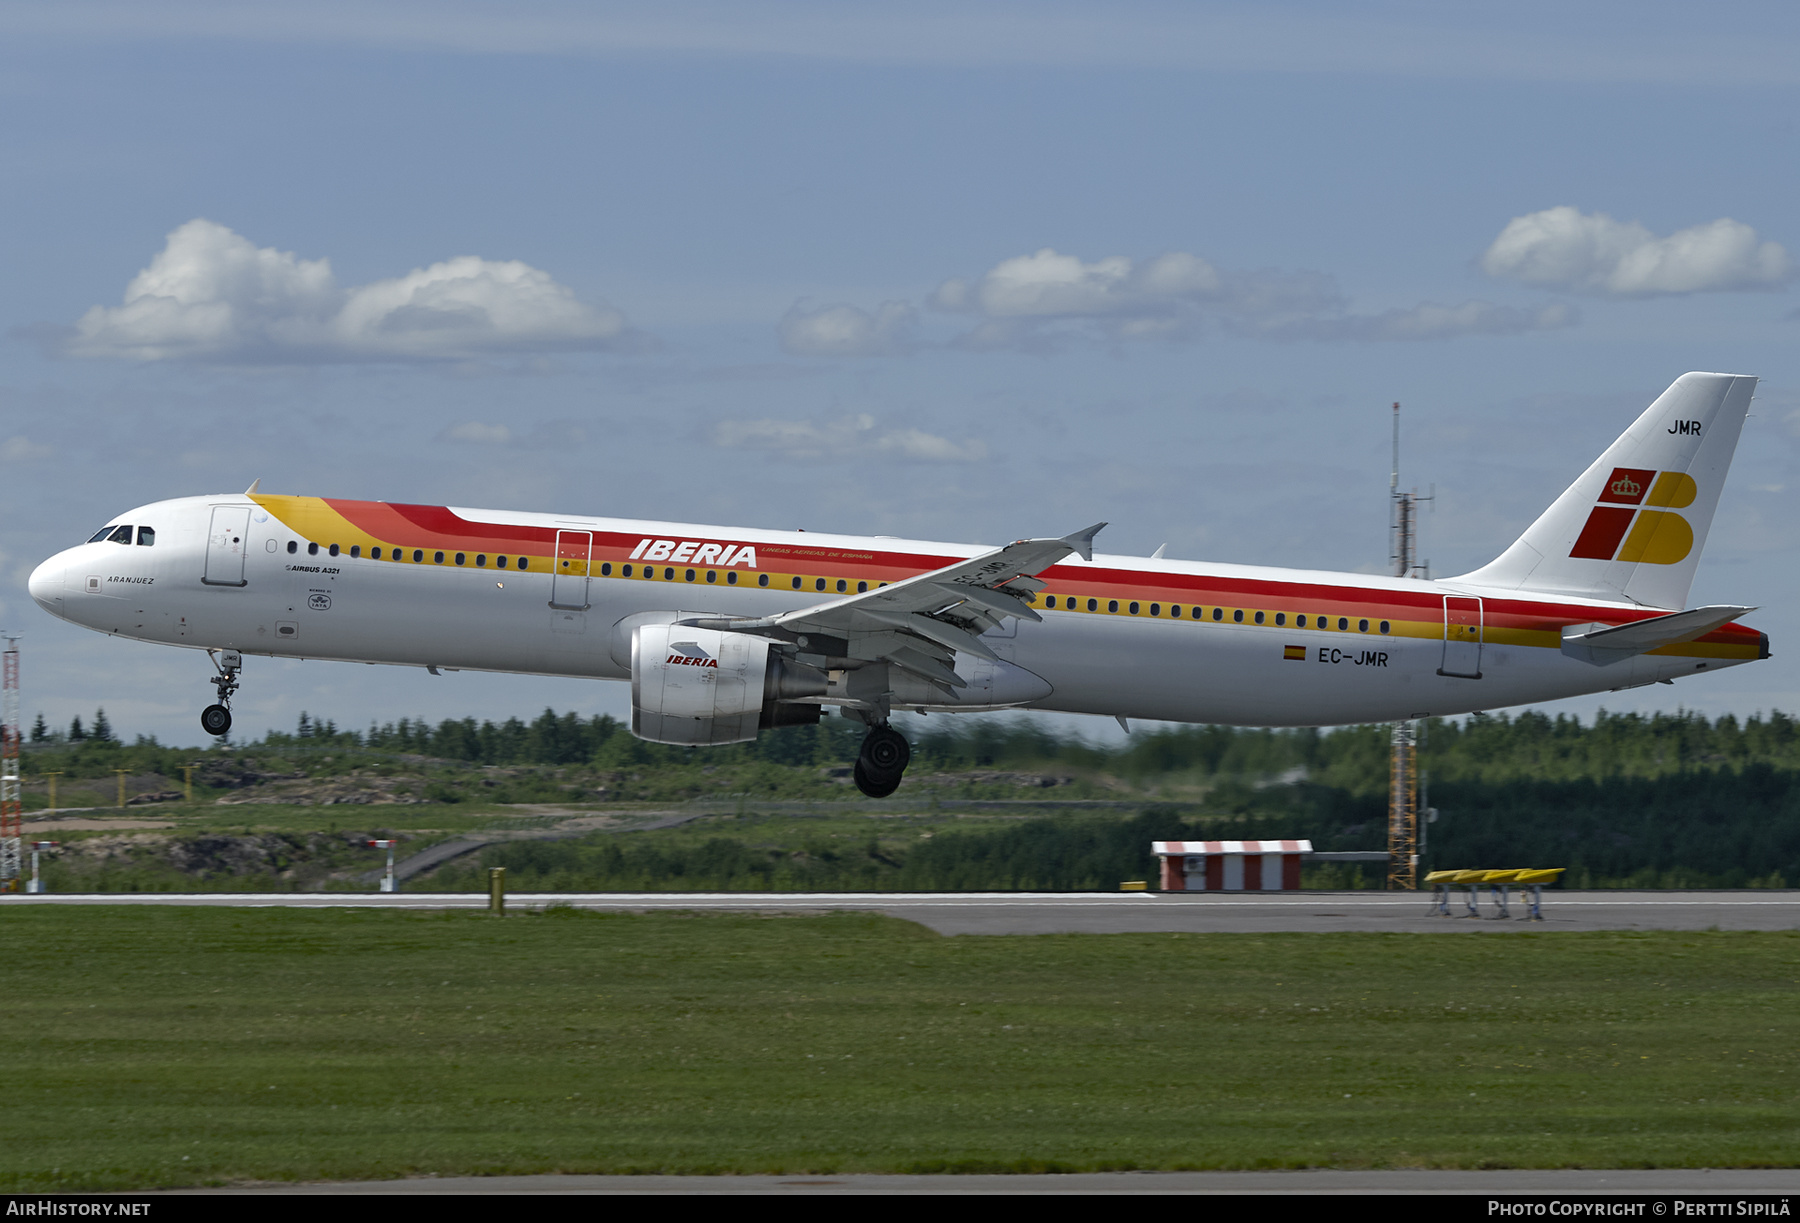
(215, 720)
(882, 761)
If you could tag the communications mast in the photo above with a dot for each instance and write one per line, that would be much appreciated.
(1403, 763)
(12, 812)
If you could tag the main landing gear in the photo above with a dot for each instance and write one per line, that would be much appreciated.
(215, 720)
(882, 761)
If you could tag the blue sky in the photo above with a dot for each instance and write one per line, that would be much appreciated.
(963, 272)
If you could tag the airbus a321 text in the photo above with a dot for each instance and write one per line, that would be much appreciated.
(725, 632)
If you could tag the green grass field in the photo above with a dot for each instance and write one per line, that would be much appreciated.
(191, 1046)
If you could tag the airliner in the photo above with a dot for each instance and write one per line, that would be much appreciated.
(725, 632)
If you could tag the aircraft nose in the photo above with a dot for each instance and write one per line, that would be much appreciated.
(46, 585)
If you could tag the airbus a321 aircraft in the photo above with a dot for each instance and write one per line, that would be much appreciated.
(726, 632)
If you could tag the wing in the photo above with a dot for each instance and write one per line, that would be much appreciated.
(922, 622)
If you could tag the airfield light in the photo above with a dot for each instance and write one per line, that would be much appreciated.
(388, 882)
(496, 889)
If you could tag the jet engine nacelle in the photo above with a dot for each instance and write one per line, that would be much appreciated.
(703, 686)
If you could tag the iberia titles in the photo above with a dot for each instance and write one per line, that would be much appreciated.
(694, 551)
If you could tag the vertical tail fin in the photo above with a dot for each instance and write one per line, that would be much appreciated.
(1633, 525)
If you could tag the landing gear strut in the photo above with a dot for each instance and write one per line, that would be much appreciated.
(215, 720)
(882, 761)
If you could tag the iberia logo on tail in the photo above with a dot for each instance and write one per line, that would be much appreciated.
(1618, 530)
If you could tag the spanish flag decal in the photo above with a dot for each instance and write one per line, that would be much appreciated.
(1294, 653)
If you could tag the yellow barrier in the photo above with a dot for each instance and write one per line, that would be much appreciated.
(1532, 878)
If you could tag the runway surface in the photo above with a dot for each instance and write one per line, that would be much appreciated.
(1092, 912)
(1675, 1182)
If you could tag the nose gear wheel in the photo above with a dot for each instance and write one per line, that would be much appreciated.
(215, 720)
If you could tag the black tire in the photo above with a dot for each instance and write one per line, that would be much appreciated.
(886, 751)
(215, 720)
(877, 785)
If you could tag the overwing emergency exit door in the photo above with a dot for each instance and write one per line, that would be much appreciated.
(225, 540)
(569, 583)
(1462, 637)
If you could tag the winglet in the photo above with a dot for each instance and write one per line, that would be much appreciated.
(251, 491)
(1083, 541)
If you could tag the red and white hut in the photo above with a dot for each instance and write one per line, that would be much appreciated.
(1231, 866)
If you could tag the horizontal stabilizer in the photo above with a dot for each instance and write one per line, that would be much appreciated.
(1622, 641)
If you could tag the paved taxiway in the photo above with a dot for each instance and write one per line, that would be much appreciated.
(1092, 912)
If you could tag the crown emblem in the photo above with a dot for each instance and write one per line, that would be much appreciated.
(1625, 486)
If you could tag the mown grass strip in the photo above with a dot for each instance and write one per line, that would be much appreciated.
(192, 1046)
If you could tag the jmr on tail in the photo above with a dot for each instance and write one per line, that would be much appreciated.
(724, 632)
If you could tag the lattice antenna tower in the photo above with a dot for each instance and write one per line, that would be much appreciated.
(1403, 760)
(12, 811)
(1403, 519)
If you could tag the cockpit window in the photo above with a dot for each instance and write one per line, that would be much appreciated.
(146, 536)
(101, 534)
(121, 536)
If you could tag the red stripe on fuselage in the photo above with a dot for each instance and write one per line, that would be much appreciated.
(438, 527)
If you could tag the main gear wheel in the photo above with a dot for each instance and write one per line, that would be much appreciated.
(882, 762)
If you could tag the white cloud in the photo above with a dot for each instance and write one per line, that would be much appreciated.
(210, 295)
(1044, 301)
(1049, 284)
(1565, 249)
(846, 331)
(19, 449)
(851, 437)
(1428, 321)
(479, 434)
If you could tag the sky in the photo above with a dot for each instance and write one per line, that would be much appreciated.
(970, 272)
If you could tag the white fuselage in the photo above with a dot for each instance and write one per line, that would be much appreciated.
(1120, 636)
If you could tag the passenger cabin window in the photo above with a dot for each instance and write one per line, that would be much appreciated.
(312, 549)
(293, 546)
(146, 536)
(121, 536)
